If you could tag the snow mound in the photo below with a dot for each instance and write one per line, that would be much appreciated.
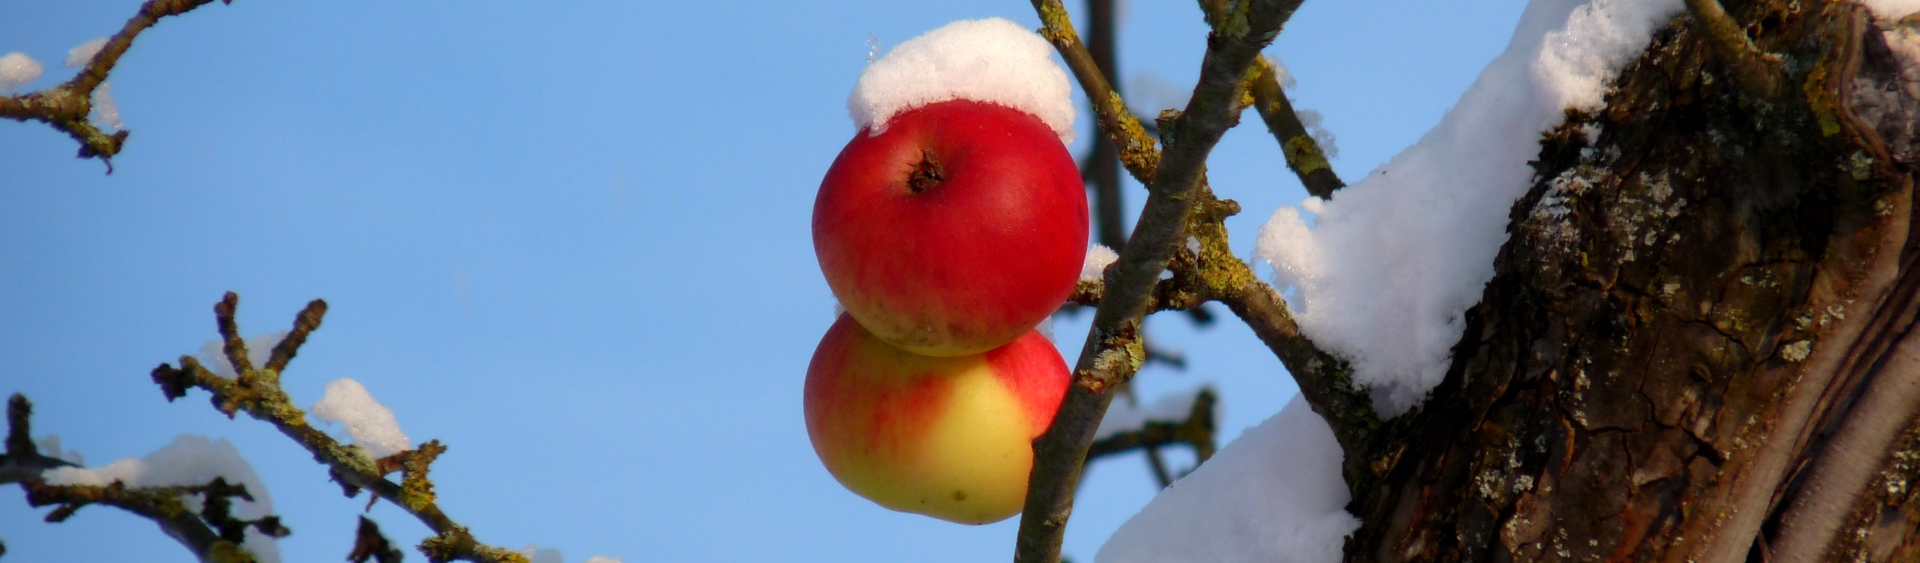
(213, 353)
(1098, 258)
(370, 423)
(1389, 266)
(17, 69)
(991, 60)
(1273, 495)
(83, 53)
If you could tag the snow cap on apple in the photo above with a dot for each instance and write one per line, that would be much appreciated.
(988, 60)
(955, 220)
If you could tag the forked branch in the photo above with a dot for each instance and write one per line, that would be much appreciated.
(66, 106)
(258, 393)
(1113, 352)
(212, 532)
(1195, 431)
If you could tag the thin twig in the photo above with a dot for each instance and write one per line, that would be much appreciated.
(1303, 153)
(1216, 274)
(1758, 72)
(1102, 168)
(370, 544)
(1197, 431)
(65, 107)
(23, 461)
(1112, 352)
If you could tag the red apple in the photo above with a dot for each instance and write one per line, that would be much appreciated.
(945, 437)
(953, 231)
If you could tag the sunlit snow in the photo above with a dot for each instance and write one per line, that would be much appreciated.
(1272, 495)
(1389, 265)
(1098, 258)
(189, 460)
(370, 423)
(991, 60)
(1382, 276)
(17, 69)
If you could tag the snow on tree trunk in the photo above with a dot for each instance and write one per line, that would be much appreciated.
(1697, 344)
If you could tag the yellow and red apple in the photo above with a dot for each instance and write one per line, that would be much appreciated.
(948, 437)
(955, 229)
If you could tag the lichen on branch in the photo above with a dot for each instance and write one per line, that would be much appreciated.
(1173, 176)
(257, 392)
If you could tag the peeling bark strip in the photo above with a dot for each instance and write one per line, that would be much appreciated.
(1699, 344)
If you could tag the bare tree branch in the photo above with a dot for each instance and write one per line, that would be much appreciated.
(65, 107)
(1102, 168)
(1304, 155)
(1195, 431)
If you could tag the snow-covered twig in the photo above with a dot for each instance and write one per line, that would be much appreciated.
(258, 393)
(203, 533)
(22, 460)
(206, 525)
(1305, 156)
(66, 107)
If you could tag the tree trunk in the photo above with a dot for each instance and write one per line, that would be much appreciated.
(1697, 345)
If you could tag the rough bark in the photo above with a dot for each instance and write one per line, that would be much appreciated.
(1698, 343)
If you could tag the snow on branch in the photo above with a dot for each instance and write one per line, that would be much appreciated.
(210, 478)
(370, 423)
(68, 106)
(184, 488)
(258, 393)
(1387, 271)
(1302, 149)
(22, 460)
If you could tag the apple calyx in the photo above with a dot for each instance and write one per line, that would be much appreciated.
(926, 174)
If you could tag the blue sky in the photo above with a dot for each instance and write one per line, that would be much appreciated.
(568, 240)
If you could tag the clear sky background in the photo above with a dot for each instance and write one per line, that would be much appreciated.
(571, 241)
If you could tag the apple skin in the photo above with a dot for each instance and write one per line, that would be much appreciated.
(948, 437)
(960, 264)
